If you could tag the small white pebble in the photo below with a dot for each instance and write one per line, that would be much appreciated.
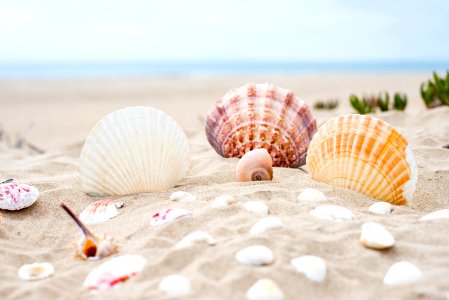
(401, 273)
(257, 207)
(266, 224)
(195, 237)
(332, 212)
(311, 195)
(182, 197)
(381, 208)
(264, 289)
(223, 201)
(256, 255)
(375, 236)
(439, 214)
(174, 286)
(313, 267)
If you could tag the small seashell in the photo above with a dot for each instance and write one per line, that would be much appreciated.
(255, 165)
(381, 208)
(313, 267)
(264, 289)
(195, 237)
(223, 201)
(257, 255)
(366, 155)
(99, 211)
(375, 236)
(310, 194)
(36, 271)
(91, 246)
(266, 224)
(15, 196)
(257, 207)
(114, 271)
(168, 215)
(439, 214)
(332, 212)
(182, 197)
(401, 273)
(174, 286)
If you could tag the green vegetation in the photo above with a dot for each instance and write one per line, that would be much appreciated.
(326, 104)
(366, 105)
(436, 93)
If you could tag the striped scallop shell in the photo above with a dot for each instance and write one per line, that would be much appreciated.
(99, 211)
(133, 150)
(366, 155)
(261, 116)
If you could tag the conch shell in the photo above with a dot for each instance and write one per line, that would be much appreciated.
(91, 246)
(255, 165)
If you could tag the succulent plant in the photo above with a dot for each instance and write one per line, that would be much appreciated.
(326, 104)
(365, 105)
(362, 106)
(383, 103)
(436, 93)
(400, 101)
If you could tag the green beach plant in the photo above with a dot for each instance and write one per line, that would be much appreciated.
(366, 105)
(399, 101)
(436, 93)
(326, 104)
(361, 105)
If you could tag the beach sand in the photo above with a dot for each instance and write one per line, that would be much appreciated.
(57, 115)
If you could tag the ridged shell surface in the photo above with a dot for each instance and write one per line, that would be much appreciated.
(366, 155)
(133, 150)
(261, 116)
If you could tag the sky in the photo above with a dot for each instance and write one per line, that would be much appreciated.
(228, 30)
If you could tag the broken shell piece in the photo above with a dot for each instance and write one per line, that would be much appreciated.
(264, 289)
(255, 165)
(313, 267)
(381, 208)
(375, 236)
(439, 214)
(332, 212)
(15, 196)
(223, 201)
(114, 271)
(168, 215)
(99, 211)
(310, 194)
(182, 197)
(257, 207)
(257, 255)
(195, 237)
(401, 273)
(91, 246)
(266, 224)
(36, 271)
(174, 286)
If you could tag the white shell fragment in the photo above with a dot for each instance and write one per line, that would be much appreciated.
(266, 224)
(401, 273)
(264, 289)
(256, 255)
(223, 201)
(381, 208)
(36, 271)
(439, 214)
(168, 215)
(375, 236)
(15, 196)
(114, 271)
(133, 150)
(313, 267)
(312, 195)
(99, 211)
(257, 207)
(182, 197)
(332, 212)
(194, 238)
(174, 286)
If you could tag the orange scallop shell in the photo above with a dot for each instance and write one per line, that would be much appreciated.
(261, 116)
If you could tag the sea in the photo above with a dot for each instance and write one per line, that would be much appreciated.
(138, 69)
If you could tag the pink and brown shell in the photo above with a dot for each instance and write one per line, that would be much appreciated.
(262, 116)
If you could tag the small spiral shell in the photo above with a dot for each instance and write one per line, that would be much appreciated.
(255, 165)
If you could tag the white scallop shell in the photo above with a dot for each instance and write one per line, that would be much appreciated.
(310, 194)
(332, 212)
(223, 201)
(257, 207)
(133, 150)
(174, 286)
(196, 237)
(256, 255)
(264, 289)
(168, 215)
(439, 214)
(114, 271)
(99, 211)
(266, 224)
(381, 208)
(375, 236)
(36, 271)
(401, 273)
(313, 267)
(15, 196)
(182, 197)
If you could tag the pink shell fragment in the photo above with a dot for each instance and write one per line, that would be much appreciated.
(168, 215)
(99, 211)
(15, 196)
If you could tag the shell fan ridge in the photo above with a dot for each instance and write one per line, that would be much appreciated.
(133, 150)
(261, 116)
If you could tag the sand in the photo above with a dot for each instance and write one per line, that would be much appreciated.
(56, 116)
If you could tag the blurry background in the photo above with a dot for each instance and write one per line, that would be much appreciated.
(50, 38)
